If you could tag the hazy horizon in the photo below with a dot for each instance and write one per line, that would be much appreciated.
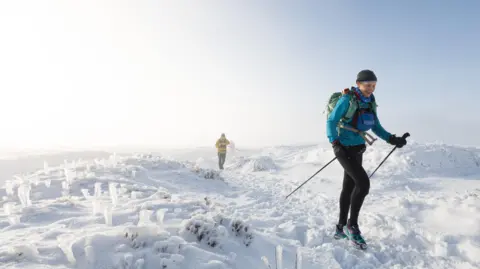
(95, 74)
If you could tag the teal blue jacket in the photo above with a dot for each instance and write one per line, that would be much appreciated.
(346, 137)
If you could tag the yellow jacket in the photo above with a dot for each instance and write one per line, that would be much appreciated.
(222, 145)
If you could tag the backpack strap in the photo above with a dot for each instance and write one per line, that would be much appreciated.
(353, 105)
(373, 105)
(351, 112)
(366, 136)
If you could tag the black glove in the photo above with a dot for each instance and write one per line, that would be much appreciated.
(399, 142)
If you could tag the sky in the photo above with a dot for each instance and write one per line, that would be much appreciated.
(179, 73)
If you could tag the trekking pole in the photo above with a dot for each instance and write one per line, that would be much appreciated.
(312, 176)
(405, 135)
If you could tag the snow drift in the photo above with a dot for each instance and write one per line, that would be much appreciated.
(253, 164)
(414, 160)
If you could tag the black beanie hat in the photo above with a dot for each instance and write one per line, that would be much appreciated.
(366, 75)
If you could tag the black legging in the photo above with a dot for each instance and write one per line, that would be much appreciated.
(356, 183)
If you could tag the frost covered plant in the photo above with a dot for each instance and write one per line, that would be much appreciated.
(46, 169)
(298, 260)
(65, 242)
(207, 173)
(238, 228)
(96, 206)
(107, 213)
(9, 187)
(14, 219)
(174, 261)
(144, 217)
(86, 194)
(161, 216)
(127, 261)
(135, 194)
(98, 189)
(23, 193)
(139, 264)
(113, 159)
(170, 246)
(140, 236)
(36, 180)
(266, 262)
(160, 194)
(112, 189)
(204, 231)
(279, 256)
(69, 176)
(90, 255)
(242, 230)
(8, 208)
(65, 188)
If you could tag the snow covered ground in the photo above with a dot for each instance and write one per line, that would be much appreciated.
(174, 209)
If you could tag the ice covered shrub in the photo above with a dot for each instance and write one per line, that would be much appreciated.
(238, 228)
(201, 229)
(23, 193)
(207, 173)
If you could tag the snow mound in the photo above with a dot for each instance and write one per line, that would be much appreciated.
(151, 162)
(413, 160)
(426, 160)
(254, 164)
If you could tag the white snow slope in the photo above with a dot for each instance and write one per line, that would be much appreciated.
(150, 211)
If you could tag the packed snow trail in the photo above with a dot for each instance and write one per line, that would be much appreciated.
(182, 214)
(407, 221)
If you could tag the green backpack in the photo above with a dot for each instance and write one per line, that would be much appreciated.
(332, 102)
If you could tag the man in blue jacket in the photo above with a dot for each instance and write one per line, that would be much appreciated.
(348, 141)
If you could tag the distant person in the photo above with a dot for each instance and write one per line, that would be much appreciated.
(353, 114)
(232, 147)
(221, 145)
